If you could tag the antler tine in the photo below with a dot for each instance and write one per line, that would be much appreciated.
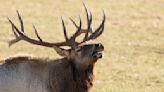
(90, 30)
(64, 29)
(17, 38)
(99, 30)
(21, 21)
(36, 32)
(86, 10)
(89, 17)
(74, 23)
(89, 22)
(16, 35)
(78, 32)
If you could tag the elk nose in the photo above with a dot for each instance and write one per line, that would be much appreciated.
(100, 46)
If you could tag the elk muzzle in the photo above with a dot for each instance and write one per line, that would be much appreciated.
(97, 53)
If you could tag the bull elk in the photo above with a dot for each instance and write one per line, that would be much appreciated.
(72, 73)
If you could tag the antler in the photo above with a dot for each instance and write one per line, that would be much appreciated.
(94, 34)
(20, 34)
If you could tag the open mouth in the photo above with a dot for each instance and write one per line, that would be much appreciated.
(98, 52)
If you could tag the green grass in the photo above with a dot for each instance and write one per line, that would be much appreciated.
(133, 38)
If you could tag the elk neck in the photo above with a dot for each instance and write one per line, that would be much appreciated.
(83, 78)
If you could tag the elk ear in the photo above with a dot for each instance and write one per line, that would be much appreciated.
(61, 51)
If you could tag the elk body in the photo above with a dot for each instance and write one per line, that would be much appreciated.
(72, 73)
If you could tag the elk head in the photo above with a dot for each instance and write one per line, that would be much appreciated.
(81, 54)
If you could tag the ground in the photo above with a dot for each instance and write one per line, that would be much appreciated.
(134, 38)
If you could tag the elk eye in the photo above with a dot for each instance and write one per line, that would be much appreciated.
(78, 49)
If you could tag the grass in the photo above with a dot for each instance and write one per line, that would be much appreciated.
(133, 38)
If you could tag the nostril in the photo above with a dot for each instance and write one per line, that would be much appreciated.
(99, 45)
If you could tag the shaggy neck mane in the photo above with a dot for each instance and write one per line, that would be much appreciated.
(83, 78)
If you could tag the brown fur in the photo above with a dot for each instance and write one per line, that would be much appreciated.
(62, 74)
(21, 59)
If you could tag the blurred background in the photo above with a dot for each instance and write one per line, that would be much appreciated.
(134, 38)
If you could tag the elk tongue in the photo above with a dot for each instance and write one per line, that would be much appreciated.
(97, 54)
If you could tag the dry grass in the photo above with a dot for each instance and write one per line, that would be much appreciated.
(133, 38)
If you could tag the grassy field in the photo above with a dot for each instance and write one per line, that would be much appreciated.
(134, 38)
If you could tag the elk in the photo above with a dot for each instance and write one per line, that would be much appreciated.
(72, 73)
